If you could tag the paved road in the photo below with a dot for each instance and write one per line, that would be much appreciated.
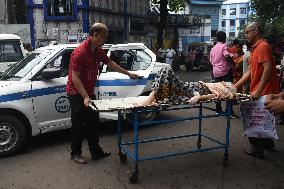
(46, 163)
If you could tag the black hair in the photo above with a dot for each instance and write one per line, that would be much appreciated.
(236, 41)
(221, 36)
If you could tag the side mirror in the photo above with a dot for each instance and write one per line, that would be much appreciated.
(51, 73)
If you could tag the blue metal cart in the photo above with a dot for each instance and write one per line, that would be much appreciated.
(123, 146)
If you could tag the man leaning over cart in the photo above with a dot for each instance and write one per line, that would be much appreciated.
(82, 77)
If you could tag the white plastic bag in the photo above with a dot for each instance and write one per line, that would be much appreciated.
(257, 121)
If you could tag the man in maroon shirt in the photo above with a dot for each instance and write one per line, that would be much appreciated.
(83, 71)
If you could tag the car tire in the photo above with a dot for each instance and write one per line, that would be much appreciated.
(13, 135)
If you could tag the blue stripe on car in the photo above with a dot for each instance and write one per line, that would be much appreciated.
(60, 89)
(121, 82)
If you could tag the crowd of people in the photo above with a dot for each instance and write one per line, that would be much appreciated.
(251, 67)
(252, 72)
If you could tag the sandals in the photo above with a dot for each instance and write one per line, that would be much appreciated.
(78, 158)
(101, 155)
(255, 152)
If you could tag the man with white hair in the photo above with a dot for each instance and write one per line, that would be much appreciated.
(263, 78)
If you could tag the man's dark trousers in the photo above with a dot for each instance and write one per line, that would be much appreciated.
(84, 120)
(226, 78)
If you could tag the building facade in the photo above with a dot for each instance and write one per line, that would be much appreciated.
(210, 8)
(234, 15)
(68, 21)
(198, 22)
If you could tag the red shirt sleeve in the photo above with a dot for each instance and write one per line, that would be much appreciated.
(264, 53)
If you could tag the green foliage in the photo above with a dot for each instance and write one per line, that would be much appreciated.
(270, 13)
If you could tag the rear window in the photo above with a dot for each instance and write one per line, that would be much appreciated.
(10, 51)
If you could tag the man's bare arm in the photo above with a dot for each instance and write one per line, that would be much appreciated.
(114, 67)
(80, 87)
(244, 78)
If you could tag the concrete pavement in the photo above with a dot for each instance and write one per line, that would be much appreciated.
(46, 162)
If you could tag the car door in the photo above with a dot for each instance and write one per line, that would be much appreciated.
(51, 105)
(116, 85)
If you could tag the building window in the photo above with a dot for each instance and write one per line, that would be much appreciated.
(233, 11)
(232, 23)
(242, 22)
(213, 33)
(223, 23)
(243, 10)
(223, 11)
(232, 34)
(60, 10)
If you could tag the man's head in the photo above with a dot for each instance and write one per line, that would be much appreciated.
(99, 34)
(240, 48)
(221, 36)
(253, 32)
(235, 42)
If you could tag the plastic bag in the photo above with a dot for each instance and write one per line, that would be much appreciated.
(257, 121)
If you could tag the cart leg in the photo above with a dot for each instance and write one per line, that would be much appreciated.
(200, 125)
(228, 114)
(122, 156)
(119, 131)
(225, 159)
(134, 177)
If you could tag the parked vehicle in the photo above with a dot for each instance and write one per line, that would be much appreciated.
(202, 52)
(11, 50)
(33, 99)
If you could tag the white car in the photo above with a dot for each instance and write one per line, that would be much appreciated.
(11, 50)
(33, 99)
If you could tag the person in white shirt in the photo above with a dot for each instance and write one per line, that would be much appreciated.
(170, 53)
(161, 53)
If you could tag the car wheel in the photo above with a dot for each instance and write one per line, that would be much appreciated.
(12, 135)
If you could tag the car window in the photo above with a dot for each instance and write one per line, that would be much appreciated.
(23, 67)
(61, 61)
(131, 60)
(10, 51)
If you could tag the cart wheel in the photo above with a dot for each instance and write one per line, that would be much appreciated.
(225, 163)
(134, 178)
(123, 158)
(198, 145)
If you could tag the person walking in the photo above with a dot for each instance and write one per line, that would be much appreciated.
(170, 54)
(238, 68)
(246, 58)
(263, 80)
(222, 64)
(82, 77)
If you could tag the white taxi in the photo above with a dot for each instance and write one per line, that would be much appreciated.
(33, 98)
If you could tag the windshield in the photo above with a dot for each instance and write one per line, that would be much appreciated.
(10, 51)
(22, 68)
(131, 60)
